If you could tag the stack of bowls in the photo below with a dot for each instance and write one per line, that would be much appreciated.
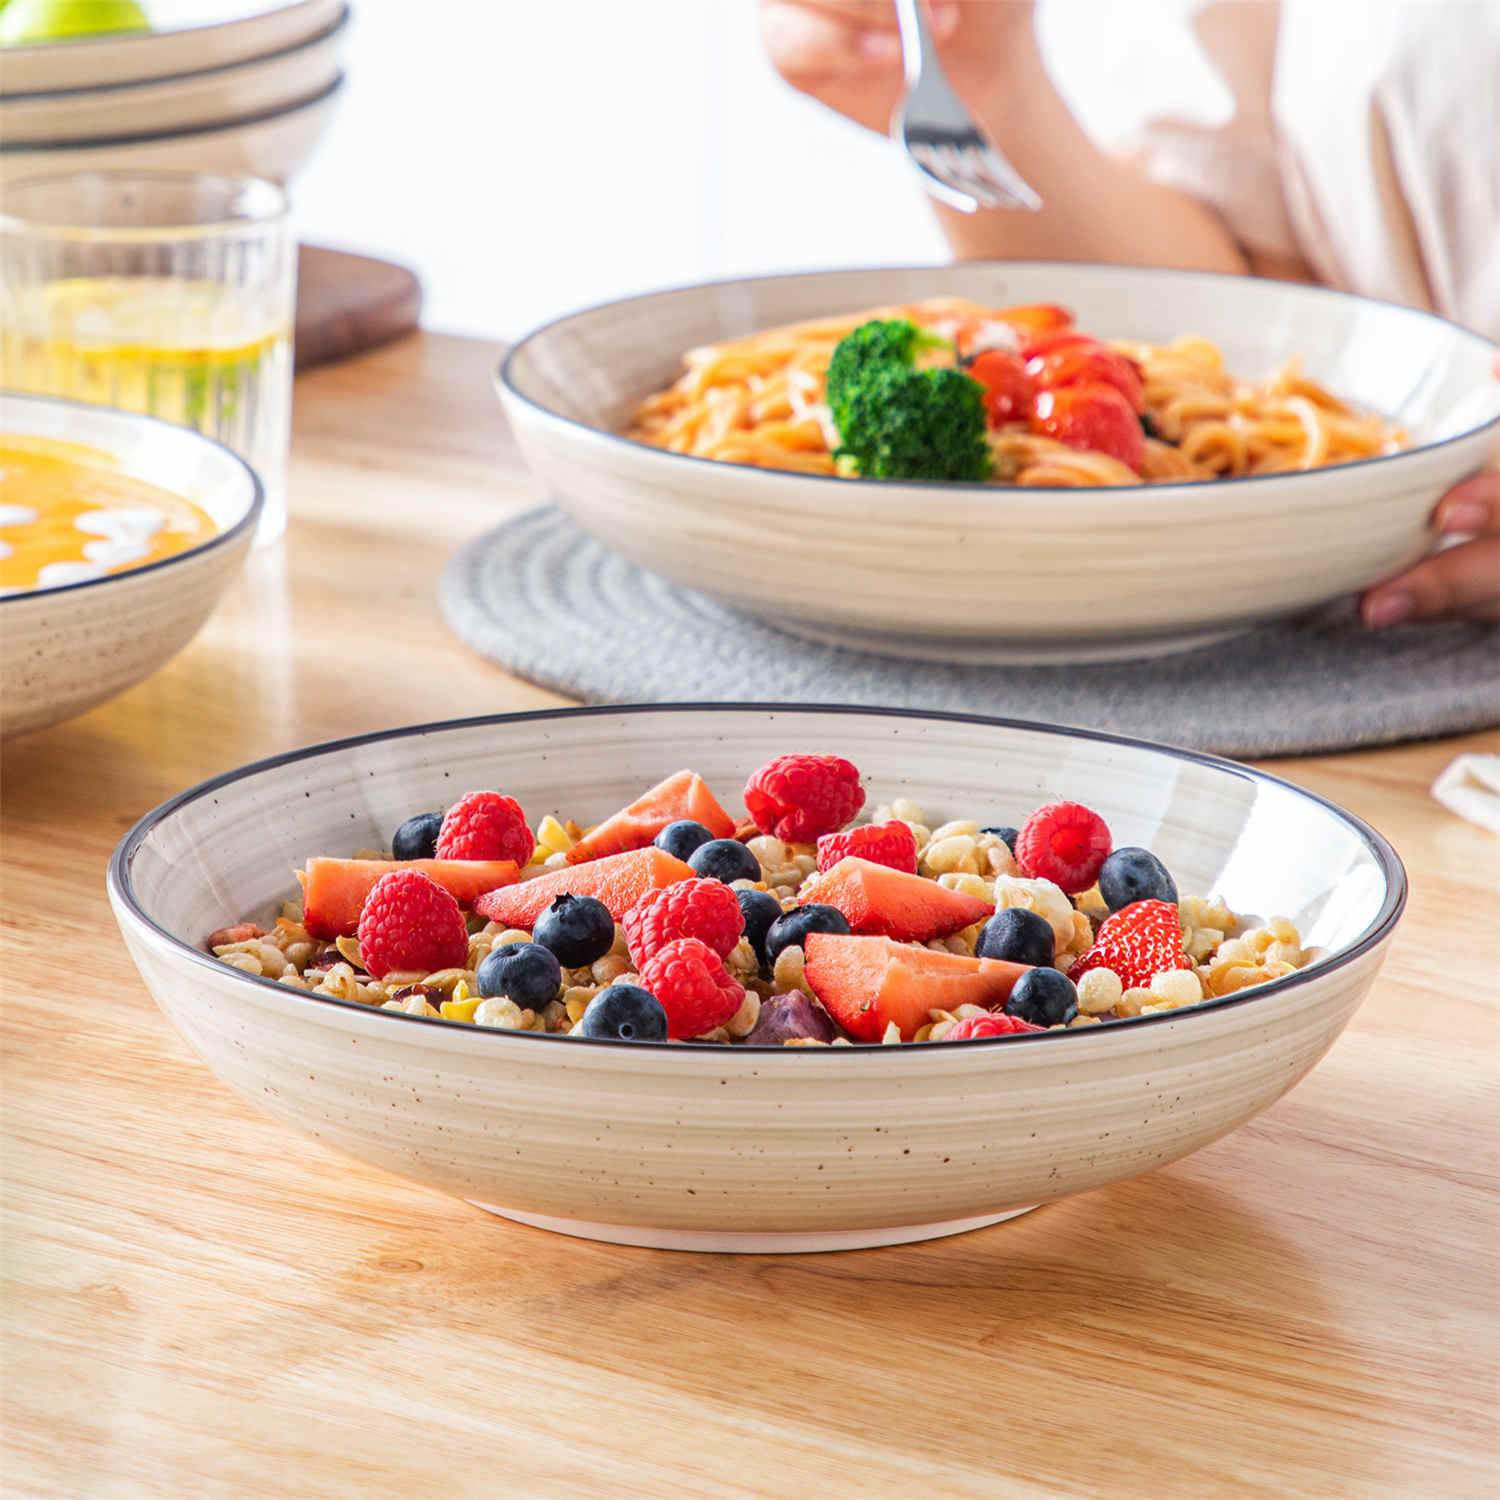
(250, 95)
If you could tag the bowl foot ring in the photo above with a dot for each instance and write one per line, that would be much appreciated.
(727, 1243)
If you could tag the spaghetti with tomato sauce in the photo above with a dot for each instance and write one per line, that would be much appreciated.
(1064, 408)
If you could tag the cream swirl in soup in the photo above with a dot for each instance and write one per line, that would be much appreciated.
(68, 515)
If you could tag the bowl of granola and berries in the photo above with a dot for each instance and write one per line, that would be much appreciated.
(751, 977)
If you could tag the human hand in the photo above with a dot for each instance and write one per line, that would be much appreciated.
(847, 53)
(1461, 580)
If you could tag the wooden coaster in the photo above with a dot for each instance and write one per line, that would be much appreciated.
(347, 304)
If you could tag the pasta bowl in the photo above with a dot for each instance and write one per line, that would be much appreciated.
(698, 1146)
(65, 649)
(963, 571)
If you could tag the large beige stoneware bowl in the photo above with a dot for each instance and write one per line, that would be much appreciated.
(62, 650)
(959, 571)
(727, 1148)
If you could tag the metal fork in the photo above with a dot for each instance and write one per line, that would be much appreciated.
(959, 163)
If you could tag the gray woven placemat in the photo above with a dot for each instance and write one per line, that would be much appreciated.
(544, 600)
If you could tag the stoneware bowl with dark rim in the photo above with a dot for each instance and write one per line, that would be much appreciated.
(65, 649)
(972, 572)
(708, 1147)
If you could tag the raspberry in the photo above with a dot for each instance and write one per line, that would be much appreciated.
(1064, 843)
(800, 797)
(892, 844)
(704, 909)
(1138, 942)
(410, 922)
(994, 1024)
(693, 986)
(485, 825)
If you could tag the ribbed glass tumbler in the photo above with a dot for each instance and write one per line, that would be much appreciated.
(168, 293)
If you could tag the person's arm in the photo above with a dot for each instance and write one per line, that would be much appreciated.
(847, 54)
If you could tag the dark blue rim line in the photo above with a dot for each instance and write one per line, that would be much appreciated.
(238, 123)
(141, 83)
(251, 516)
(503, 375)
(1378, 930)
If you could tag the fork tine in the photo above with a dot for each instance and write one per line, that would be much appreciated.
(939, 182)
(1005, 179)
(958, 162)
(964, 172)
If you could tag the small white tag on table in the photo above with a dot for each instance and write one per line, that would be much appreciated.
(1471, 787)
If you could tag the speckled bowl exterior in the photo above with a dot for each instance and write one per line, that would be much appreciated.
(1023, 574)
(187, 101)
(274, 144)
(63, 650)
(730, 1148)
(172, 49)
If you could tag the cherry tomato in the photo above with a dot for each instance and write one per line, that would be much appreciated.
(1035, 318)
(1009, 390)
(1045, 343)
(1093, 417)
(1088, 363)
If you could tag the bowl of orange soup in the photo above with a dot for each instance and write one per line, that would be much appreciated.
(118, 534)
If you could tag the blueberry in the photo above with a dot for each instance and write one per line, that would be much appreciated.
(578, 929)
(724, 859)
(526, 972)
(416, 838)
(1019, 936)
(1132, 874)
(1010, 835)
(760, 909)
(790, 930)
(682, 837)
(1045, 997)
(625, 1013)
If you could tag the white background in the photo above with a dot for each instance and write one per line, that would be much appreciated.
(527, 157)
(531, 156)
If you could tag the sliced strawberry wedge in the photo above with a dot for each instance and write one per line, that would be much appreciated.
(618, 880)
(866, 983)
(893, 903)
(334, 890)
(684, 795)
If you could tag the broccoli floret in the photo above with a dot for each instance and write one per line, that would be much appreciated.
(898, 422)
(887, 342)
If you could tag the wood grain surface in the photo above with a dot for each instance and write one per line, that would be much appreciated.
(199, 1303)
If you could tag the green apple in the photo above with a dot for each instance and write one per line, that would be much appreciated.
(23, 23)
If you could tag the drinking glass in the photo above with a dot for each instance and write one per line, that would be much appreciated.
(169, 293)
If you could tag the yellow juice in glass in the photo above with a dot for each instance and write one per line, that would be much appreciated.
(197, 353)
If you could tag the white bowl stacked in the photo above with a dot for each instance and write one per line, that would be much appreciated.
(250, 95)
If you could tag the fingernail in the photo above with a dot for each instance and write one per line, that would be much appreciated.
(1465, 515)
(1389, 609)
(879, 46)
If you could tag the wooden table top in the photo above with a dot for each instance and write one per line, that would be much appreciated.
(200, 1303)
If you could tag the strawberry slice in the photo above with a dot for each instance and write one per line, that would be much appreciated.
(866, 983)
(618, 880)
(684, 795)
(334, 890)
(893, 903)
(1138, 942)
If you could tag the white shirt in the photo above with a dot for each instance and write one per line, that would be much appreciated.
(1361, 137)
